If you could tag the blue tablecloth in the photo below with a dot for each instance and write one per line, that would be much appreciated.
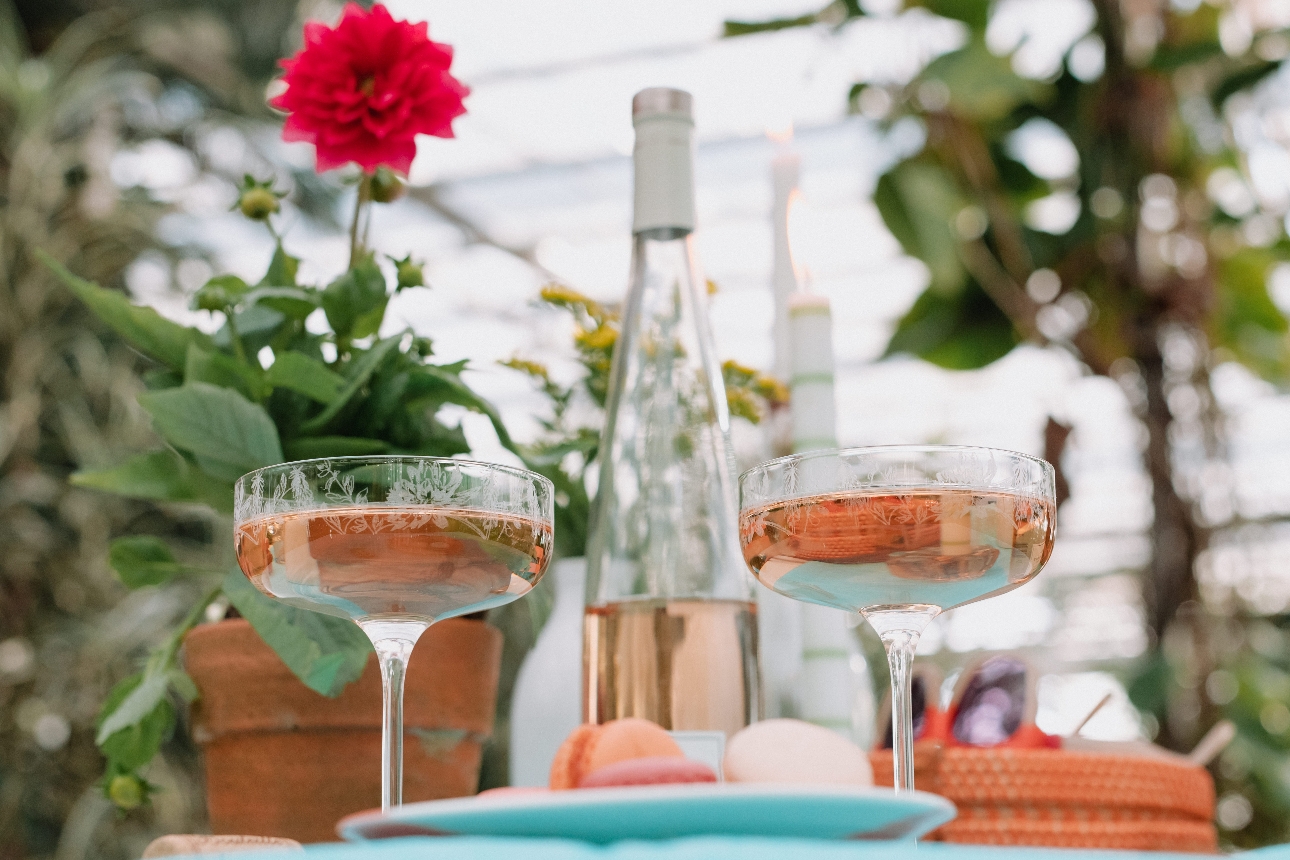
(698, 848)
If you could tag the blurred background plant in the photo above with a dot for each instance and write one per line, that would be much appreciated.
(79, 83)
(570, 439)
(1106, 206)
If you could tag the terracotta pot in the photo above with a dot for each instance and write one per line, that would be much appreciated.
(281, 760)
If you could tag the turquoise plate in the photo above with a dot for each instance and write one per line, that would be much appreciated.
(665, 812)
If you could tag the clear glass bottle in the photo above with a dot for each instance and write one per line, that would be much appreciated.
(670, 627)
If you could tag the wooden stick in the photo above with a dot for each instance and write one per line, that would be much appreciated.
(1214, 742)
(1091, 714)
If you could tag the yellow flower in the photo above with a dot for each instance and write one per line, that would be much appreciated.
(742, 405)
(770, 388)
(735, 373)
(602, 337)
(559, 294)
(532, 368)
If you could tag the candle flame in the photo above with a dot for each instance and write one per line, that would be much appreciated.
(781, 136)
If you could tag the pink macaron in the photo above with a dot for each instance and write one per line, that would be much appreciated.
(655, 770)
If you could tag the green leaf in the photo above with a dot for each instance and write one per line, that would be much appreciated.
(355, 302)
(440, 440)
(161, 377)
(294, 302)
(225, 371)
(143, 560)
(358, 372)
(319, 447)
(282, 269)
(974, 13)
(1245, 320)
(162, 476)
(308, 376)
(1242, 80)
(257, 326)
(228, 434)
(137, 704)
(135, 736)
(731, 29)
(323, 651)
(159, 475)
(435, 384)
(919, 201)
(144, 328)
(958, 332)
(13, 40)
(1148, 688)
(220, 293)
(1169, 58)
(182, 683)
(982, 86)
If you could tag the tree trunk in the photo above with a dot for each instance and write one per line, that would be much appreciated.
(1175, 538)
(1169, 582)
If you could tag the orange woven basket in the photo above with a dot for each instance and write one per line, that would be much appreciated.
(1065, 799)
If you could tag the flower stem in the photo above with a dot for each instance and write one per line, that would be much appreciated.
(169, 650)
(239, 350)
(361, 203)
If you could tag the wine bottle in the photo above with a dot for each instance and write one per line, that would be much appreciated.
(670, 625)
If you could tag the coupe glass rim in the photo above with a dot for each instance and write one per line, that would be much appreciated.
(515, 471)
(869, 449)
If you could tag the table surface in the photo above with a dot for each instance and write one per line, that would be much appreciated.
(697, 848)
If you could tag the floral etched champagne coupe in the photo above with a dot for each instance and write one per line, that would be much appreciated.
(393, 544)
(899, 534)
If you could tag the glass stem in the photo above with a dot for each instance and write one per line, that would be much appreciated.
(393, 642)
(899, 629)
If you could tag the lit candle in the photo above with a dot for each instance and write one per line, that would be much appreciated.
(833, 688)
(779, 618)
(785, 169)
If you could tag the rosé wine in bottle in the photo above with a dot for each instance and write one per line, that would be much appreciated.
(684, 664)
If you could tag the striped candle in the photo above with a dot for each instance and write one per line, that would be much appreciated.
(810, 384)
(833, 689)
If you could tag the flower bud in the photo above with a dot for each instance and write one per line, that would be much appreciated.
(385, 186)
(410, 275)
(258, 203)
(126, 791)
(408, 272)
(210, 298)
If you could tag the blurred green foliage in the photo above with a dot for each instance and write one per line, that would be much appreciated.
(571, 433)
(79, 83)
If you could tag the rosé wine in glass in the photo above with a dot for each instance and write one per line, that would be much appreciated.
(898, 534)
(394, 544)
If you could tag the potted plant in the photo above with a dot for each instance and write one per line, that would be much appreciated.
(266, 388)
